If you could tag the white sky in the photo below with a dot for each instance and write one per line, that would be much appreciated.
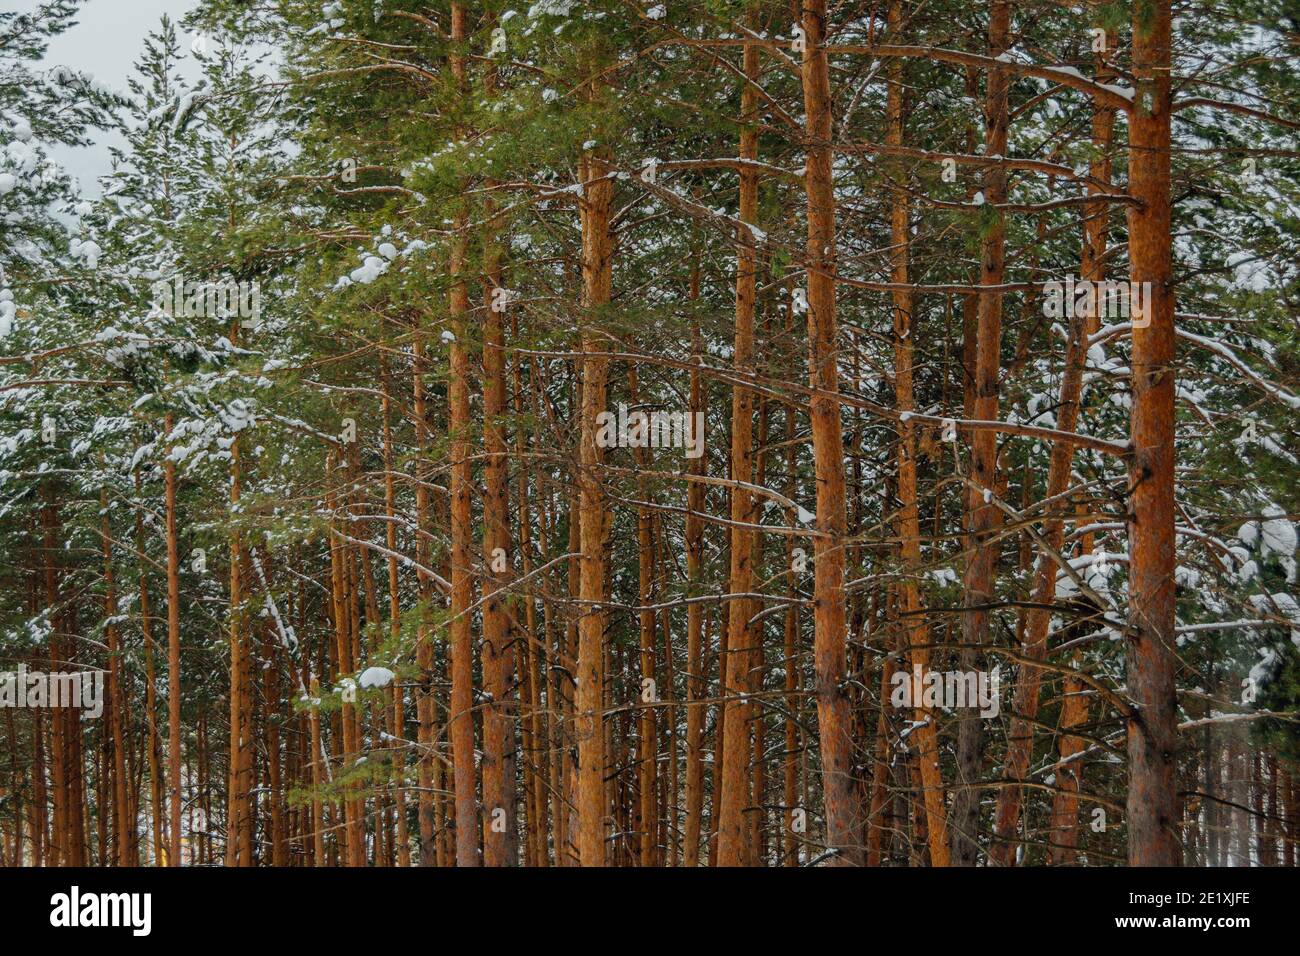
(106, 41)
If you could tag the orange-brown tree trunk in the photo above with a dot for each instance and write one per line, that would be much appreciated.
(733, 832)
(157, 810)
(424, 654)
(395, 626)
(238, 793)
(461, 717)
(915, 629)
(647, 745)
(985, 517)
(173, 653)
(695, 683)
(123, 822)
(830, 663)
(597, 253)
(498, 778)
(1153, 814)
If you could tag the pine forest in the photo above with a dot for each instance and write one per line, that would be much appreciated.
(652, 433)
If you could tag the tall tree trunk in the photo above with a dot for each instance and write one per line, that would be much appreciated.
(830, 657)
(123, 822)
(343, 592)
(792, 662)
(61, 852)
(238, 801)
(909, 516)
(274, 767)
(733, 842)
(498, 784)
(317, 779)
(597, 254)
(647, 755)
(985, 518)
(398, 753)
(157, 811)
(1153, 813)
(461, 718)
(173, 652)
(424, 655)
(540, 759)
(696, 685)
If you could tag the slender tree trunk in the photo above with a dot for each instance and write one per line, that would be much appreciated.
(39, 818)
(1064, 833)
(60, 851)
(541, 760)
(985, 517)
(909, 516)
(173, 652)
(157, 810)
(878, 806)
(344, 628)
(498, 785)
(696, 686)
(18, 783)
(274, 766)
(1153, 814)
(424, 655)
(123, 823)
(733, 842)
(792, 662)
(398, 752)
(596, 262)
(647, 746)
(317, 779)
(461, 718)
(240, 777)
(830, 660)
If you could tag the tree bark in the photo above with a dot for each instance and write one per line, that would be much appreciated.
(909, 516)
(1153, 814)
(830, 661)
(733, 844)
(173, 652)
(597, 255)
(985, 517)
(696, 685)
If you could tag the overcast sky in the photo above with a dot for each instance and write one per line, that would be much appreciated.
(106, 41)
